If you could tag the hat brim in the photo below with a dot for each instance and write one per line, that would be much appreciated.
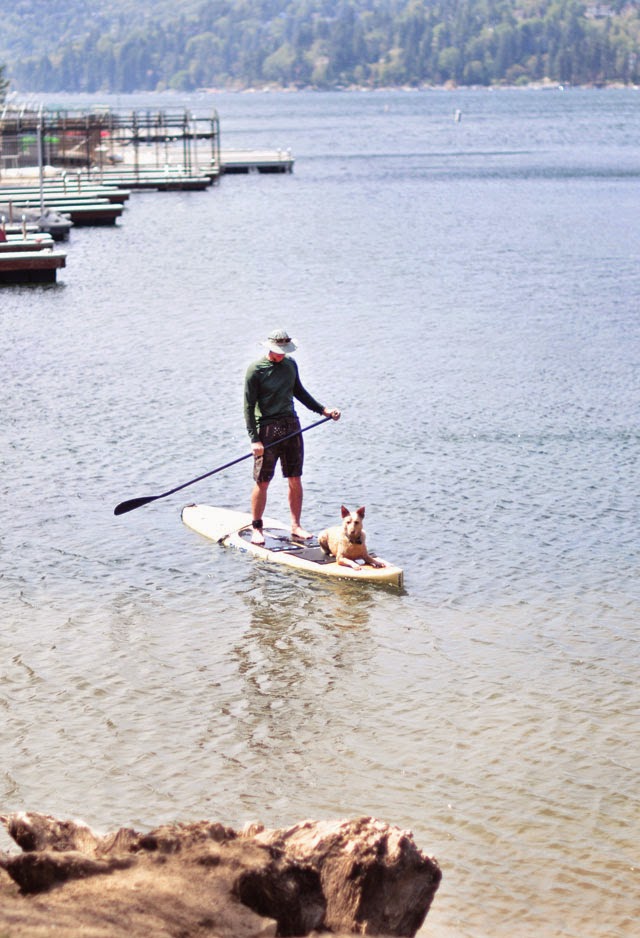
(280, 349)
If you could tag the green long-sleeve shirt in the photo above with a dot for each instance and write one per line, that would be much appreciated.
(269, 390)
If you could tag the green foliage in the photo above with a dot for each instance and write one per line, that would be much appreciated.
(138, 45)
(4, 84)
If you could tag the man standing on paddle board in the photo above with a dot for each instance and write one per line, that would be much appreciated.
(270, 386)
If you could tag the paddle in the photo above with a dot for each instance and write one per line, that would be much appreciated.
(134, 503)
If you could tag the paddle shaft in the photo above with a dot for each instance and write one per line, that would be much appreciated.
(134, 503)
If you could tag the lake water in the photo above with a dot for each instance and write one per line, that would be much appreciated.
(467, 292)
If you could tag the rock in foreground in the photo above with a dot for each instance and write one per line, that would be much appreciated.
(349, 876)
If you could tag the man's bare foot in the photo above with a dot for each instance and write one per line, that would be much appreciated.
(299, 534)
(257, 537)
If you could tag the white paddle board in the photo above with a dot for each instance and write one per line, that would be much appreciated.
(233, 529)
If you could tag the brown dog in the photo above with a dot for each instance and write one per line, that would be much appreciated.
(347, 541)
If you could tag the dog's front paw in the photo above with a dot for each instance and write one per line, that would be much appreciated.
(345, 562)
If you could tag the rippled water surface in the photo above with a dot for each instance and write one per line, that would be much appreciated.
(468, 293)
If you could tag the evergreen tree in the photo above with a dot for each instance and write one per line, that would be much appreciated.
(137, 45)
(4, 84)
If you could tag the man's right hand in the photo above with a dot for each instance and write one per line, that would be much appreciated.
(258, 449)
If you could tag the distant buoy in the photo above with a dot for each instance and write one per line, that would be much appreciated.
(457, 116)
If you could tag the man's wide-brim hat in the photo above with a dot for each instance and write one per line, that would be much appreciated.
(280, 342)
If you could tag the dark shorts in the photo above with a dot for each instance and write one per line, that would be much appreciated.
(290, 453)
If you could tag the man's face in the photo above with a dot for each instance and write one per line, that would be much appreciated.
(276, 356)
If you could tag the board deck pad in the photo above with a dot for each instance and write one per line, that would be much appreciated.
(275, 539)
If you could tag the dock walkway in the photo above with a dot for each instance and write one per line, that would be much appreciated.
(30, 242)
(256, 161)
(36, 266)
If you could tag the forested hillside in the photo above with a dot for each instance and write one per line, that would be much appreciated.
(136, 45)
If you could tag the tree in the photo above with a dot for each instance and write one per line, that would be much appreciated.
(4, 84)
(136, 45)
(279, 65)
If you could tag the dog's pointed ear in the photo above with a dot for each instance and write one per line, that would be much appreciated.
(360, 512)
(345, 511)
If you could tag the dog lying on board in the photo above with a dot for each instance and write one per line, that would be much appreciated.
(347, 541)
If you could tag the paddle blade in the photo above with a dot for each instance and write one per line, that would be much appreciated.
(133, 503)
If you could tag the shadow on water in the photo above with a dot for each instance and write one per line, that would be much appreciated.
(30, 288)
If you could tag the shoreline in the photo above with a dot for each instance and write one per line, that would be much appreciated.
(543, 85)
(19, 96)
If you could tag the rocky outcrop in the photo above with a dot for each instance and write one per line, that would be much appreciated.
(373, 876)
(357, 876)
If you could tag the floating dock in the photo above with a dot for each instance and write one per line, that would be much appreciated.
(256, 161)
(36, 266)
(59, 190)
(33, 220)
(171, 179)
(87, 211)
(65, 168)
(19, 243)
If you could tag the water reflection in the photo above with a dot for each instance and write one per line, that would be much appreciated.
(305, 646)
(285, 599)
